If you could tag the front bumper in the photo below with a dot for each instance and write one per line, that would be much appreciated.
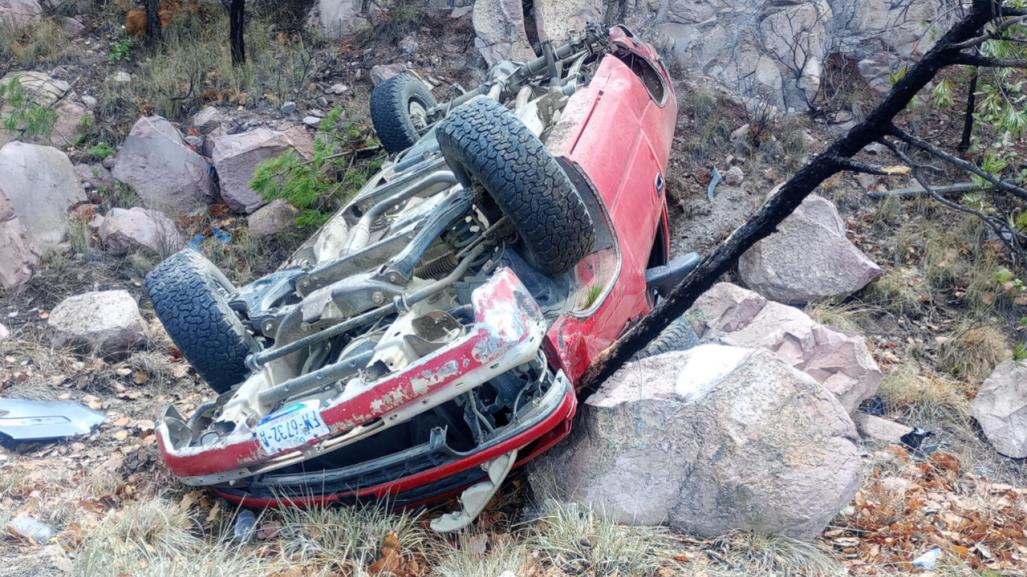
(507, 332)
(420, 474)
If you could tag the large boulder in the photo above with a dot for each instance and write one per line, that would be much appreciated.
(18, 13)
(236, 157)
(559, 20)
(808, 258)
(103, 321)
(775, 50)
(499, 31)
(841, 362)
(16, 255)
(43, 90)
(157, 163)
(41, 184)
(710, 440)
(1000, 407)
(122, 230)
(341, 18)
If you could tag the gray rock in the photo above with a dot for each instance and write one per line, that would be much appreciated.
(122, 230)
(808, 258)
(337, 88)
(156, 162)
(94, 176)
(16, 254)
(499, 31)
(121, 77)
(40, 533)
(236, 157)
(44, 90)
(709, 440)
(206, 120)
(89, 101)
(341, 18)
(734, 176)
(875, 428)
(312, 121)
(73, 28)
(558, 20)
(1000, 407)
(4, 332)
(288, 108)
(842, 363)
(273, 218)
(409, 46)
(194, 142)
(741, 134)
(461, 11)
(382, 72)
(19, 13)
(41, 184)
(104, 322)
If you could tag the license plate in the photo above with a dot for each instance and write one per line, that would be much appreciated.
(291, 426)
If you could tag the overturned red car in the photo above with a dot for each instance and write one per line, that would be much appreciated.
(427, 340)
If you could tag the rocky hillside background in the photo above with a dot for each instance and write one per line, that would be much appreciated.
(861, 382)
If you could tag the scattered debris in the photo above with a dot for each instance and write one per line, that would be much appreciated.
(27, 421)
(715, 178)
(30, 529)
(928, 560)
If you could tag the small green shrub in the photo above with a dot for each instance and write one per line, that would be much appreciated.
(22, 114)
(120, 50)
(101, 151)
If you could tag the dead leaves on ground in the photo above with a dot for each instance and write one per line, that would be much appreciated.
(933, 503)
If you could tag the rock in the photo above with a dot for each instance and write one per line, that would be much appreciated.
(734, 176)
(89, 101)
(273, 218)
(94, 176)
(880, 429)
(29, 528)
(749, 47)
(41, 184)
(342, 17)
(19, 13)
(499, 31)
(842, 363)
(104, 321)
(409, 46)
(236, 156)
(123, 230)
(312, 121)
(43, 90)
(461, 11)
(559, 20)
(337, 88)
(16, 254)
(741, 134)
(72, 27)
(156, 162)
(206, 120)
(877, 74)
(710, 440)
(121, 77)
(1000, 407)
(382, 72)
(4, 332)
(288, 108)
(194, 142)
(808, 258)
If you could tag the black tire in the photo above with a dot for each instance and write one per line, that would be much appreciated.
(396, 107)
(189, 295)
(678, 336)
(484, 142)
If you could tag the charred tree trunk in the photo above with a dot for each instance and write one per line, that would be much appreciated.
(153, 25)
(968, 118)
(833, 160)
(236, 27)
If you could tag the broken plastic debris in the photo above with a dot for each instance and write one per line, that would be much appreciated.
(715, 177)
(29, 528)
(23, 421)
(928, 559)
(245, 523)
(915, 438)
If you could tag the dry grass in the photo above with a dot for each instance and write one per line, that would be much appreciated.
(761, 554)
(580, 541)
(32, 45)
(900, 290)
(466, 558)
(924, 396)
(847, 317)
(975, 351)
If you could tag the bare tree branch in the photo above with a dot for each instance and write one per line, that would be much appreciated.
(975, 60)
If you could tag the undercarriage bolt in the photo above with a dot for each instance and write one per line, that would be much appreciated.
(378, 297)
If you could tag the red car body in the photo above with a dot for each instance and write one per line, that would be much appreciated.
(617, 134)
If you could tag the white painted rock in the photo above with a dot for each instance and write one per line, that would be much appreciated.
(156, 162)
(104, 321)
(841, 362)
(1000, 407)
(273, 218)
(808, 258)
(710, 440)
(123, 230)
(236, 157)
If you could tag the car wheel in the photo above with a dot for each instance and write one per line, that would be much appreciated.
(190, 297)
(678, 336)
(485, 143)
(399, 111)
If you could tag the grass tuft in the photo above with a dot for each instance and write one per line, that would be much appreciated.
(922, 397)
(975, 351)
(764, 554)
